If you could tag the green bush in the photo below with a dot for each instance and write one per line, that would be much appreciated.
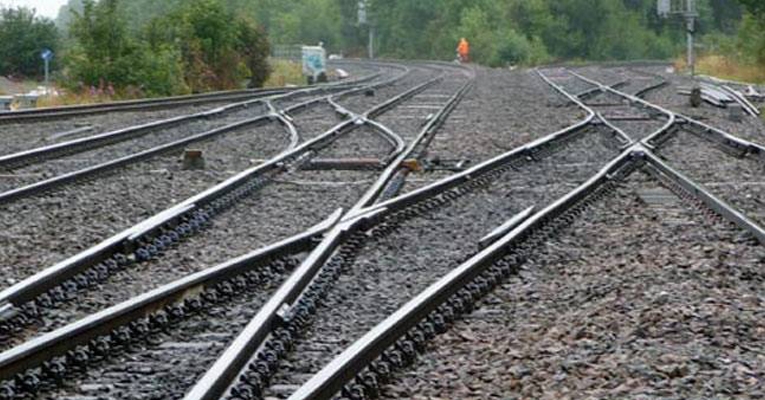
(197, 46)
(516, 49)
(23, 36)
(105, 55)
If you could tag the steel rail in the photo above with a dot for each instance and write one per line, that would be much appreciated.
(671, 117)
(331, 379)
(660, 168)
(129, 239)
(717, 81)
(742, 100)
(702, 129)
(52, 183)
(33, 353)
(219, 378)
(396, 141)
(80, 145)
(135, 105)
(22, 358)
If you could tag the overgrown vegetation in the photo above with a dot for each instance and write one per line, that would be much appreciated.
(284, 73)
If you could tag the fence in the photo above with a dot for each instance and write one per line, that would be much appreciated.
(288, 52)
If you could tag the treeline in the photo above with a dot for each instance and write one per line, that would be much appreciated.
(533, 31)
(501, 31)
(181, 46)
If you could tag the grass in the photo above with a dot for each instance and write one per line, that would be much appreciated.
(726, 68)
(68, 99)
(285, 73)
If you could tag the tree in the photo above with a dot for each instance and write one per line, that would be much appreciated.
(254, 46)
(64, 17)
(219, 50)
(23, 36)
(756, 7)
(103, 54)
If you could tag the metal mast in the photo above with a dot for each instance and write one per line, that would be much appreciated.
(687, 9)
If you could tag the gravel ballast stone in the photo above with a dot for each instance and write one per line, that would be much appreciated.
(632, 300)
(389, 271)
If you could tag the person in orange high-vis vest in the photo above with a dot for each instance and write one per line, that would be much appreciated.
(463, 50)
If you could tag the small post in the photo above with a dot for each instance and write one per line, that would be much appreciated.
(687, 9)
(193, 160)
(371, 42)
(47, 76)
(47, 55)
(696, 97)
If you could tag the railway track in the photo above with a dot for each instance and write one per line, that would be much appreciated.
(124, 157)
(343, 309)
(308, 199)
(395, 341)
(364, 369)
(747, 127)
(367, 271)
(390, 268)
(120, 220)
(690, 145)
(38, 116)
(635, 120)
(28, 142)
(32, 167)
(598, 310)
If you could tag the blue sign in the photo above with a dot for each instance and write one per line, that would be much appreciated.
(46, 54)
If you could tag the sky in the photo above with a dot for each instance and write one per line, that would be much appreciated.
(47, 8)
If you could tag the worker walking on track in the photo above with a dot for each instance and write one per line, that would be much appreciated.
(463, 51)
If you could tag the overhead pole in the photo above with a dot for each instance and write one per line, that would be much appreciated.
(364, 6)
(371, 42)
(686, 9)
(691, 15)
